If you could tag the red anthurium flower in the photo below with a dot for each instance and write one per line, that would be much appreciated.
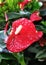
(35, 16)
(22, 35)
(42, 42)
(22, 4)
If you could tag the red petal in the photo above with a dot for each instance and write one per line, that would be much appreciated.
(22, 4)
(26, 37)
(35, 16)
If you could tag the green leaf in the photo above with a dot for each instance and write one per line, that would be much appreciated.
(20, 58)
(44, 23)
(6, 56)
(2, 37)
(35, 6)
(33, 49)
(14, 15)
(10, 3)
(43, 12)
(41, 54)
(41, 27)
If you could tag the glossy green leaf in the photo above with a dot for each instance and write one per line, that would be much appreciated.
(14, 15)
(6, 56)
(2, 37)
(41, 54)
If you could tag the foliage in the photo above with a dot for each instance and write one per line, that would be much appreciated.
(35, 51)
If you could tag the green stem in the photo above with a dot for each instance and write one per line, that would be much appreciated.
(22, 62)
(20, 58)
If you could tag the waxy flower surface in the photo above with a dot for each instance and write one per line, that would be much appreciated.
(22, 4)
(35, 16)
(22, 35)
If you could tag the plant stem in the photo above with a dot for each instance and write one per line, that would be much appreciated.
(20, 58)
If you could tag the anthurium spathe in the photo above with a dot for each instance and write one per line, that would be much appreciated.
(35, 16)
(22, 4)
(22, 35)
